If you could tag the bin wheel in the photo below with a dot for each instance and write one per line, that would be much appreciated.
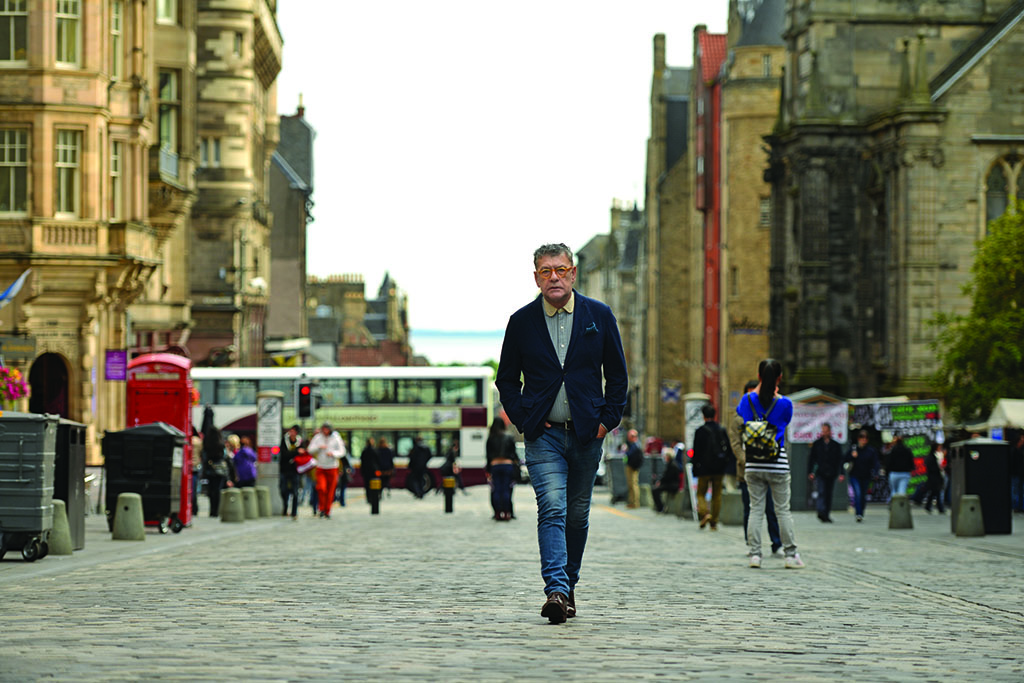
(176, 525)
(30, 553)
(44, 549)
(162, 526)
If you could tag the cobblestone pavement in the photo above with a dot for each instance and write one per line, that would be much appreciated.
(416, 593)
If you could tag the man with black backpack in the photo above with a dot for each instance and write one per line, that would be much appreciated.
(711, 455)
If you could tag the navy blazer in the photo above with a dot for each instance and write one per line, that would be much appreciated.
(594, 346)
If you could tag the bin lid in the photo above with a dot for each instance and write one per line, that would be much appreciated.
(33, 417)
(71, 423)
(151, 429)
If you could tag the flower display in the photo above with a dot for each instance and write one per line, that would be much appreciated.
(12, 385)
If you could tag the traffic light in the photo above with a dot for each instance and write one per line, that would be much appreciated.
(305, 401)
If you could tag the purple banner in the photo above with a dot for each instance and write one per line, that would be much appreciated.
(117, 365)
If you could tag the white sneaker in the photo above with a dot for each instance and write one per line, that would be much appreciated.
(794, 562)
(755, 561)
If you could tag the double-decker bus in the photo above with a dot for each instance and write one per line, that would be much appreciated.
(441, 405)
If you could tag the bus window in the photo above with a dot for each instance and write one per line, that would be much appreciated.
(461, 391)
(334, 392)
(417, 391)
(205, 387)
(373, 391)
(285, 386)
(236, 392)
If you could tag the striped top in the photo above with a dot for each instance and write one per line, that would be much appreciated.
(780, 416)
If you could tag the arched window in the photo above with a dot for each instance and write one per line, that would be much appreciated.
(1004, 186)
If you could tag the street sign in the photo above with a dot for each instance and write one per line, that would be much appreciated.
(269, 414)
(17, 348)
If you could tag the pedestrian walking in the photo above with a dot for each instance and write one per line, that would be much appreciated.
(863, 462)
(216, 465)
(501, 468)
(769, 469)
(386, 463)
(935, 484)
(418, 478)
(634, 461)
(368, 466)
(824, 465)
(245, 463)
(555, 352)
(290, 481)
(711, 454)
(899, 463)
(328, 448)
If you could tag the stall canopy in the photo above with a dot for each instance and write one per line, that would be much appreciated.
(1009, 412)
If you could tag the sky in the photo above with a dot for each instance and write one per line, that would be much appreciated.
(454, 137)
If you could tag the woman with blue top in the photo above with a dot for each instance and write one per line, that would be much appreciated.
(771, 473)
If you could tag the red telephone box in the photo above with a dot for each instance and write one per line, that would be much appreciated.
(159, 389)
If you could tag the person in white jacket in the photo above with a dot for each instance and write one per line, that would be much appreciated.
(328, 448)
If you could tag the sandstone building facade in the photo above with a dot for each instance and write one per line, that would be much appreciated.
(96, 187)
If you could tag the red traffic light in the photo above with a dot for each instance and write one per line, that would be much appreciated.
(304, 390)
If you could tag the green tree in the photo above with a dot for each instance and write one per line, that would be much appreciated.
(981, 355)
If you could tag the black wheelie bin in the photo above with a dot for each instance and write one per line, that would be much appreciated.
(146, 460)
(27, 443)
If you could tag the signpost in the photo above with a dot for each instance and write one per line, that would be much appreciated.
(269, 429)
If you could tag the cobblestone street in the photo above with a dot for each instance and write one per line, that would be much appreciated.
(416, 593)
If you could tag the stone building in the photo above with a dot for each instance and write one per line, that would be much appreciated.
(96, 186)
(669, 257)
(346, 328)
(900, 135)
(608, 269)
(750, 102)
(291, 202)
(239, 57)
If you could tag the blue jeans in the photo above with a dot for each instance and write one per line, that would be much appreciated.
(1016, 491)
(860, 490)
(562, 472)
(502, 480)
(898, 482)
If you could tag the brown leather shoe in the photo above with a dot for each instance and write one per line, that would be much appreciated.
(555, 608)
(570, 609)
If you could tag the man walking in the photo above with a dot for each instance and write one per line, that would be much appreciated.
(554, 354)
(823, 466)
(290, 480)
(634, 461)
(710, 457)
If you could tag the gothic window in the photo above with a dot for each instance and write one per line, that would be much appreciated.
(1004, 186)
(13, 30)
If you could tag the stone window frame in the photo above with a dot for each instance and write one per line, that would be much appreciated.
(67, 166)
(167, 12)
(10, 13)
(169, 106)
(14, 155)
(117, 179)
(117, 39)
(68, 33)
(1011, 167)
(209, 152)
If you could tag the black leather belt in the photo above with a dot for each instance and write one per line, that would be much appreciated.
(561, 425)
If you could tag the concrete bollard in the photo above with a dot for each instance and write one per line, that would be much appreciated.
(969, 521)
(674, 503)
(232, 508)
(60, 536)
(899, 512)
(129, 524)
(263, 504)
(646, 497)
(249, 504)
(731, 513)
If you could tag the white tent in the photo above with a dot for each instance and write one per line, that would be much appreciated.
(1009, 412)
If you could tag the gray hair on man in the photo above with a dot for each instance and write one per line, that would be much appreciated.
(551, 250)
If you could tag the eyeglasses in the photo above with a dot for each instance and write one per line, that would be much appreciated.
(561, 271)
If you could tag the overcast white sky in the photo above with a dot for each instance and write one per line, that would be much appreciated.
(456, 136)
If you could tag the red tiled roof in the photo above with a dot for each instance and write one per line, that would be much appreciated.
(712, 54)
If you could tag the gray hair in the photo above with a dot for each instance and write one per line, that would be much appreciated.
(551, 250)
